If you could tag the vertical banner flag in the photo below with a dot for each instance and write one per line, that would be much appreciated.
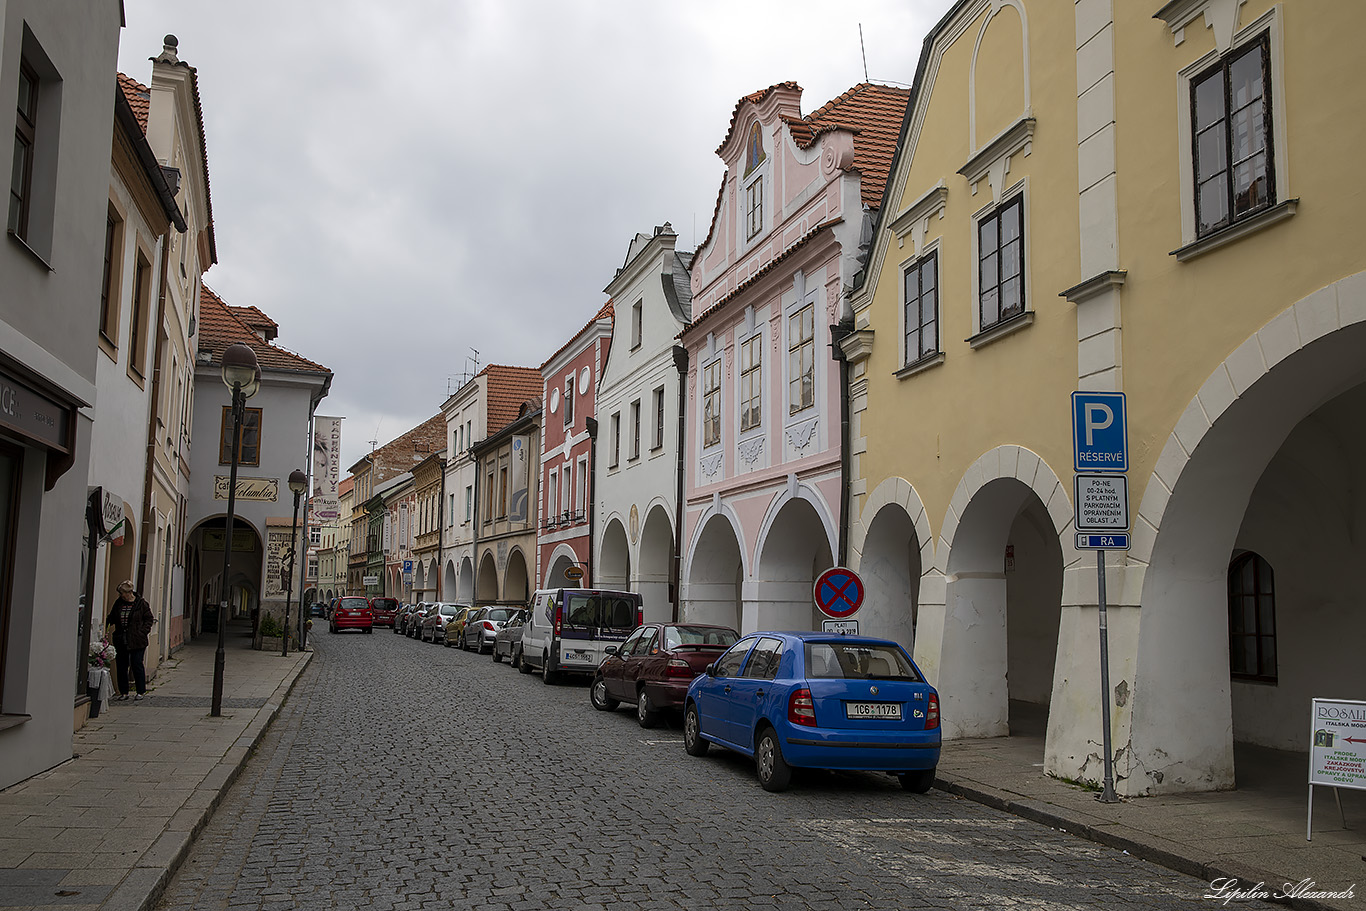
(326, 468)
(520, 476)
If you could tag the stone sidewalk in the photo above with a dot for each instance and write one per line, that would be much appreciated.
(1255, 834)
(108, 828)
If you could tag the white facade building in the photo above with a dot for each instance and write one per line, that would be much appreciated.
(637, 492)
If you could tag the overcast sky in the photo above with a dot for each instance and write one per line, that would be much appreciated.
(397, 183)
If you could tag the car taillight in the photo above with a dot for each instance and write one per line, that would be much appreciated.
(488, 626)
(640, 614)
(932, 713)
(558, 611)
(800, 708)
(677, 667)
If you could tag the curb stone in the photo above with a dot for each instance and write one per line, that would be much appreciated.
(144, 886)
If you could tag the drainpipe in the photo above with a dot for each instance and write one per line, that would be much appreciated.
(474, 532)
(838, 333)
(592, 424)
(676, 569)
(441, 536)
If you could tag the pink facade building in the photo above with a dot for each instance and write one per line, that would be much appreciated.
(763, 481)
(568, 434)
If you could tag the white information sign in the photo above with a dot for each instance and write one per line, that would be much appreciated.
(843, 627)
(1102, 502)
(1337, 751)
(370, 580)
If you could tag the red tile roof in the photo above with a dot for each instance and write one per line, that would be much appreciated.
(508, 389)
(873, 113)
(253, 316)
(139, 98)
(219, 327)
(606, 311)
(345, 485)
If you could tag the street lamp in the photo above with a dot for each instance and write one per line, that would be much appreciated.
(298, 483)
(241, 374)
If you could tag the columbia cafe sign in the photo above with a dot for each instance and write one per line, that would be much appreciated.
(265, 490)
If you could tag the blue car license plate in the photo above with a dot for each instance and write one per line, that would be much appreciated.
(888, 710)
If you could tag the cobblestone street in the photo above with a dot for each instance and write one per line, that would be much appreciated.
(402, 775)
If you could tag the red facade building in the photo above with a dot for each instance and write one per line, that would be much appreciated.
(568, 435)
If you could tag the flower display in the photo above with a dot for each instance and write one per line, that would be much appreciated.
(101, 653)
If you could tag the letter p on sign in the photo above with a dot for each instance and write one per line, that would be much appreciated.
(1098, 417)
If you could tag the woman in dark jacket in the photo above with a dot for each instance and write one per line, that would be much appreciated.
(132, 620)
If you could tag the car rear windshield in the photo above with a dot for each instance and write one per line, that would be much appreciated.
(601, 610)
(353, 604)
(675, 636)
(450, 610)
(838, 660)
(385, 604)
(502, 614)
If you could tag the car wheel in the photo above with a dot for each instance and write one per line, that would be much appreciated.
(646, 713)
(497, 659)
(369, 630)
(548, 677)
(917, 782)
(774, 772)
(519, 662)
(693, 741)
(597, 695)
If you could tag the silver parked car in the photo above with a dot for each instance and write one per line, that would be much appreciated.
(509, 636)
(482, 626)
(434, 623)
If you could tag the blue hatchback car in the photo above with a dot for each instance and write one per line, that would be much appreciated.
(817, 700)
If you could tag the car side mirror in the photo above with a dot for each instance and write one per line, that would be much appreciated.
(610, 650)
(711, 670)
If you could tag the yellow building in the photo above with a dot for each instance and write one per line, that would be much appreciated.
(1097, 198)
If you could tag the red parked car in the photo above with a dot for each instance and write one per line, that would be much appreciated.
(352, 612)
(654, 666)
(385, 610)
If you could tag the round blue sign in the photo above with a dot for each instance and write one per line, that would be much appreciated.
(839, 592)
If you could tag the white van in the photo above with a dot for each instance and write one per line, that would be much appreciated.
(568, 630)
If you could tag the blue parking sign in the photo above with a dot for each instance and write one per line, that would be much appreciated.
(1100, 432)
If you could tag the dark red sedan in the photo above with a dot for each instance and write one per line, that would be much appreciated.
(385, 610)
(654, 666)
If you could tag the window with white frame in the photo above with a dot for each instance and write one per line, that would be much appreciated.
(1000, 263)
(751, 382)
(563, 503)
(637, 314)
(1232, 154)
(469, 503)
(635, 429)
(711, 403)
(920, 296)
(659, 418)
(552, 500)
(616, 440)
(569, 401)
(801, 359)
(581, 489)
(754, 187)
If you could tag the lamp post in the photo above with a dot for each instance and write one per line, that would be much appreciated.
(298, 483)
(241, 374)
